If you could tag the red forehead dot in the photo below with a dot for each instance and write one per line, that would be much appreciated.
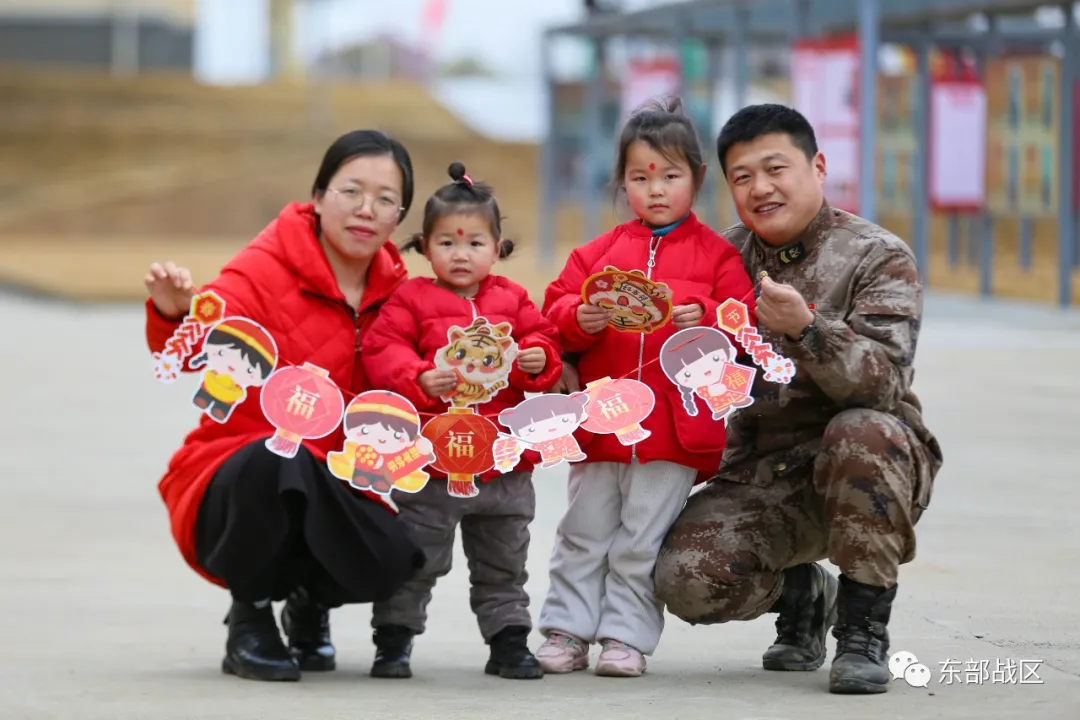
(652, 166)
(460, 231)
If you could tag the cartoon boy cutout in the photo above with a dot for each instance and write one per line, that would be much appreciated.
(383, 448)
(544, 423)
(701, 362)
(238, 353)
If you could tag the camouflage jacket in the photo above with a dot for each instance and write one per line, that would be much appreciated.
(859, 353)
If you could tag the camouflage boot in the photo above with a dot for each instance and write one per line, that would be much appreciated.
(862, 639)
(807, 610)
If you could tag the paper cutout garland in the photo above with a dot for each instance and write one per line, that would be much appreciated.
(734, 317)
(637, 303)
(481, 356)
(701, 362)
(384, 449)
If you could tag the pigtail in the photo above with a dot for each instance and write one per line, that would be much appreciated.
(505, 248)
(688, 401)
(414, 243)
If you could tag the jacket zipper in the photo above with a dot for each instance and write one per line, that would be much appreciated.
(654, 246)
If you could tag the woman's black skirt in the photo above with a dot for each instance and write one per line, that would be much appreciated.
(269, 524)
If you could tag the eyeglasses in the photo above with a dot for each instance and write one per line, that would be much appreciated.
(385, 208)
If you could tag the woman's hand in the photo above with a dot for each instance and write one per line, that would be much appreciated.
(437, 383)
(171, 289)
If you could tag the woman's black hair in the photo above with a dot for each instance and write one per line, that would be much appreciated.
(664, 127)
(365, 143)
(461, 196)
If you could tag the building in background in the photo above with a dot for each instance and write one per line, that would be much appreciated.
(117, 34)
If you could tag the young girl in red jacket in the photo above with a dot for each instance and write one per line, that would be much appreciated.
(623, 498)
(403, 353)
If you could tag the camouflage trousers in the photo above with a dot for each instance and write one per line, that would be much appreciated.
(855, 500)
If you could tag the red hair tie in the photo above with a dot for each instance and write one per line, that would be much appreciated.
(467, 179)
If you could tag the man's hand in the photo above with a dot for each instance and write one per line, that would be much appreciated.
(686, 316)
(532, 360)
(782, 309)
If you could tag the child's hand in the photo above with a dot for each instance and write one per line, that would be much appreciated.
(685, 316)
(592, 319)
(423, 446)
(437, 383)
(170, 288)
(532, 360)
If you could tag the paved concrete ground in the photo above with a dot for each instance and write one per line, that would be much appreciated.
(99, 618)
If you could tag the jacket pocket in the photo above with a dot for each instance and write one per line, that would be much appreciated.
(698, 433)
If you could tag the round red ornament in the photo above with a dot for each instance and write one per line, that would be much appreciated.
(302, 403)
(463, 445)
(617, 407)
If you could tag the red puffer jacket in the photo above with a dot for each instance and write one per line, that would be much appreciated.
(413, 324)
(700, 266)
(281, 280)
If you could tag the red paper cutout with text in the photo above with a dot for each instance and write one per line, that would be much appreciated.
(302, 403)
(637, 303)
(617, 407)
(207, 308)
(463, 443)
(384, 449)
(734, 317)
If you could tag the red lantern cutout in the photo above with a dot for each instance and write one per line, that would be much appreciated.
(463, 444)
(617, 407)
(302, 403)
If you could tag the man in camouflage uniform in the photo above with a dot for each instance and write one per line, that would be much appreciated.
(838, 463)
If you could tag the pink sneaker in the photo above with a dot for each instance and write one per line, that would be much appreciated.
(562, 653)
(618, 659)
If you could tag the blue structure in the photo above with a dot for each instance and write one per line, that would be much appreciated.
(920, 24)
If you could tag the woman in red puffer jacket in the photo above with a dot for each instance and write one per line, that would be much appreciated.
(264, 526)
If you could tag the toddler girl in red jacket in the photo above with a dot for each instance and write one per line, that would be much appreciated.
(450, 340)
(624, 498)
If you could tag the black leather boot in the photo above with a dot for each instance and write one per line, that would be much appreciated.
(393, 649)
(861, 665)
(254, 649)
(510, 656)
(807, 610)
(307, 625)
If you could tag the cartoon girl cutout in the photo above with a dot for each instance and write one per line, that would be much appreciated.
(237, 354)
(701, 362)
(383, 448)
(545, 423)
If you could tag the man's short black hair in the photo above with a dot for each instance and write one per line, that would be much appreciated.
(753, 121)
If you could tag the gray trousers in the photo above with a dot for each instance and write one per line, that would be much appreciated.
(495, 538)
